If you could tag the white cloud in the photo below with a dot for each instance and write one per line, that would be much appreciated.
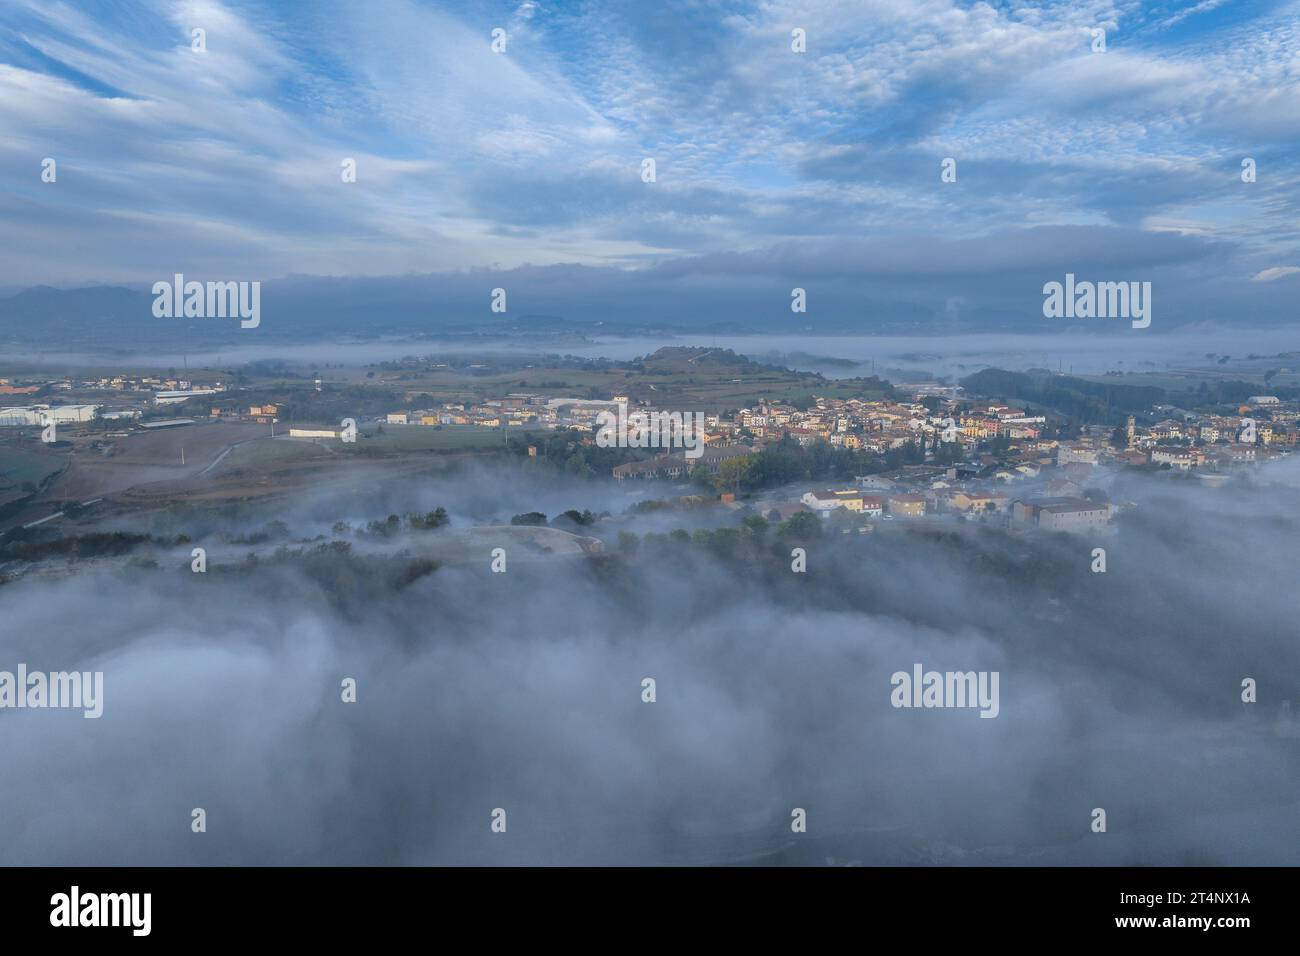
(467, 157)
(1276, 272)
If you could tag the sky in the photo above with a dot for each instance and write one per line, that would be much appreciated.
(814, 167)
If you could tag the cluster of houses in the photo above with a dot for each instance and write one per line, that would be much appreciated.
(1182, 441)
(1054, 513)
(879, 426)
(267, 414)
(1264, 428)
(7, 387)
(1047, 482)
(105, 383)
(1056, 503)
(516, 409)
(898, 504)
(161, 391)
(873, 426)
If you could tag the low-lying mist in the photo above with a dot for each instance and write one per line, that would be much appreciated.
(523, 690)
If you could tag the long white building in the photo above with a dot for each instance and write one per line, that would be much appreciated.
(27, 415)
(182, 395)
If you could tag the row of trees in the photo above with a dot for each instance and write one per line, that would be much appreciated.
(393, 524)
(1109, 403)
(563, 450)
(570, 518)
(786, 461)
(755, 534)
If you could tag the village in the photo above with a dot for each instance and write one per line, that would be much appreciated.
(927, 452)
(972, 459)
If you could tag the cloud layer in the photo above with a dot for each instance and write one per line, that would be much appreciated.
(227, 162)
(523, 691)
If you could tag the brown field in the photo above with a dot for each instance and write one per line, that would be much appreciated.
(146, 457)
(227, 461)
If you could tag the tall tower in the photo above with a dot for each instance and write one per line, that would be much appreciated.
(1131, 431)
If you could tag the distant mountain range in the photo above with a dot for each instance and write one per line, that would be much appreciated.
(107, 318)
(547, 307)
(304, 309)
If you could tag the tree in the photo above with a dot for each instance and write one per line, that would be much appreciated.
(733, 472)
(724, 541)
(576, 517)
(434, 519)
(801, 526)
(529, 519)
(576, 464)
(756, 525)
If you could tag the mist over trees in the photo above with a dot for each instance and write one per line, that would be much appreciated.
(521, 690)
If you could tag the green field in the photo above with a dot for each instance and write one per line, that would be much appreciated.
(270, 451)
(20, 465)
(708, 380)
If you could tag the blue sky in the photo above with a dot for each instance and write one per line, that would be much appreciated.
(771, 163)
